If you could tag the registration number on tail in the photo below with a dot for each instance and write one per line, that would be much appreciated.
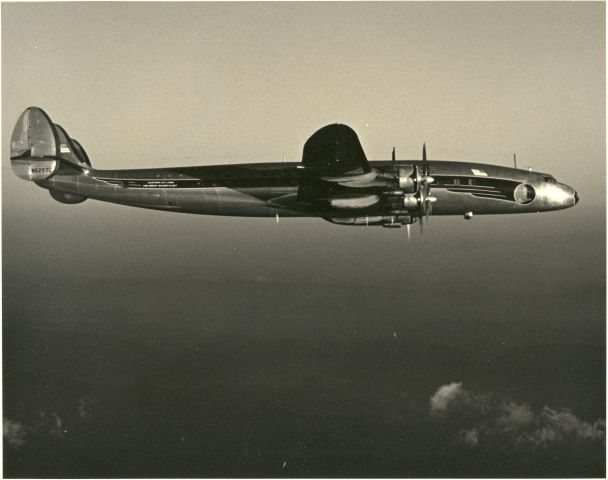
(39, 170)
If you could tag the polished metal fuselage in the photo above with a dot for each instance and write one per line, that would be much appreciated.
(270, 189)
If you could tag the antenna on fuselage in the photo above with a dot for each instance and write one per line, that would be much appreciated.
(515, 163)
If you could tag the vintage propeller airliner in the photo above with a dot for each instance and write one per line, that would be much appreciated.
(334, 181)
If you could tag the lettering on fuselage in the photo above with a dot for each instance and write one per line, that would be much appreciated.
(152, 184)
(156, 183)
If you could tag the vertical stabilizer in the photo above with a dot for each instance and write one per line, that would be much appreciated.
(34, 146)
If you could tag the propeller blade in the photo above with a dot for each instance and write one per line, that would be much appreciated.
(394, 165)
(424, 192)
(426, 171)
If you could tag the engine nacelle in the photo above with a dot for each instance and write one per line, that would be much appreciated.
(354, 201)
(410, 202)
(408, 178)
(392, 221)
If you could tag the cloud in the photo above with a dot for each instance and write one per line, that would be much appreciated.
(48, 424)
(479, 419)
(515, 416)
(55, 425)
(557, 425)
(470, 437)
(83, 408)
(14, 432)
(444, 395)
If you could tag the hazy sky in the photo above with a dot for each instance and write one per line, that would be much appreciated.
(143, 342)
(189, 83)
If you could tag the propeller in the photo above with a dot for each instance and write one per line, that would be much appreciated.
(424, 180)
(426, 200)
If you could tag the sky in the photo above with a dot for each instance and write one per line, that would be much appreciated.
(141, 343)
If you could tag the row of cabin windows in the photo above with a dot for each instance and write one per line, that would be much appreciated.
(458, 181)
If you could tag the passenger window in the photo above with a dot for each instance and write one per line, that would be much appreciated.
(471, 181)
(456, 181)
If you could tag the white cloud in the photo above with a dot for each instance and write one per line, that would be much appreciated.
(515, 416)
(14, 432)
(82, 408)
(444, 395)
(480, 418)
(470, 437)
(557, 425)
(56, 425)
(47, 423)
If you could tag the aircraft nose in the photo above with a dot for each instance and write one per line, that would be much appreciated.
(571, 195)
(560, 195)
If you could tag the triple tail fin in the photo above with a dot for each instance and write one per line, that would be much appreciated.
(38, 146)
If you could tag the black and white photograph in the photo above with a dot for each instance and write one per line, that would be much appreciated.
(304, 239)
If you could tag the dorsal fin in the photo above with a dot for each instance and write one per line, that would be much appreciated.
(335, 150)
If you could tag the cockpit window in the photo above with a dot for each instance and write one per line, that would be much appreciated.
(549, 179)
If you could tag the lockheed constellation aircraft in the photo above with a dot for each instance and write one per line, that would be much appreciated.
(334, 181)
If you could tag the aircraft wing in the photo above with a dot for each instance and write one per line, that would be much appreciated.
(336, 173)
(334, 150)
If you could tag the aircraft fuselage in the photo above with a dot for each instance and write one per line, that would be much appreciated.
(334, 181)
(255, 189)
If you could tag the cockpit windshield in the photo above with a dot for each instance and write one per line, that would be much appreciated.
(549, 179)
